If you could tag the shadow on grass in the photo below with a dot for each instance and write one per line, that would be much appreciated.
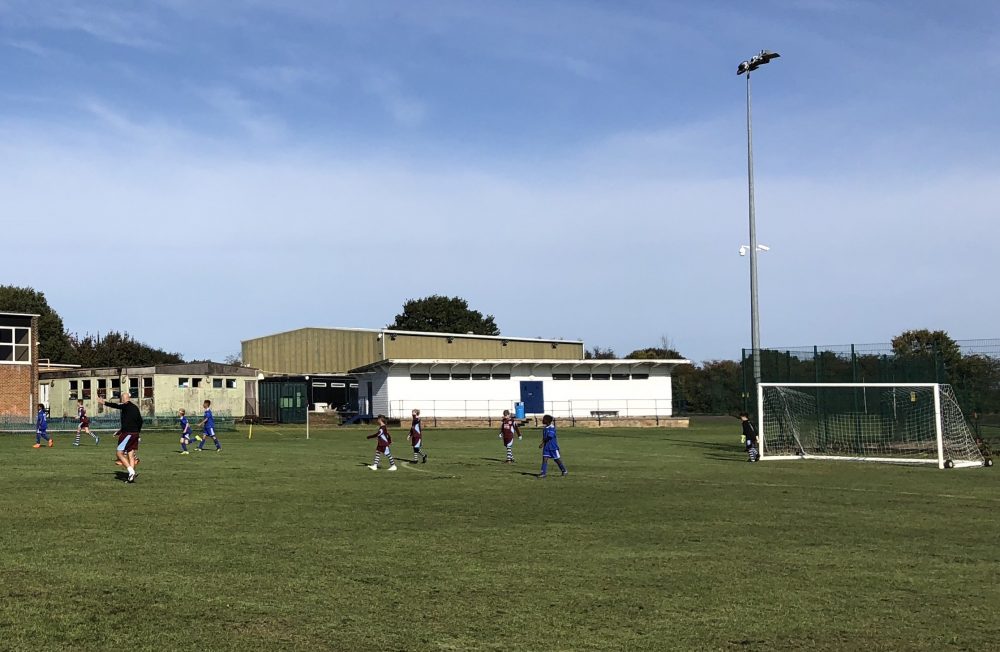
(727, 458)
(491, 459)
(709, 444)
(530, 474)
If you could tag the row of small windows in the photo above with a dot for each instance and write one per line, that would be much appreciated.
(461, 376)
(600, 376)
(84, 388)
(195, 383)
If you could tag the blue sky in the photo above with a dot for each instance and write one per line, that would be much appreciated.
(198, 173)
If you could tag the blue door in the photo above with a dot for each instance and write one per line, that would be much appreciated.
(531, 396)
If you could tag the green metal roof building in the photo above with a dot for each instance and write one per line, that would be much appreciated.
(338, 350)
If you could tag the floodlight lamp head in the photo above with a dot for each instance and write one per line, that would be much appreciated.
(761, 247)
(743, 250)
(756, 61)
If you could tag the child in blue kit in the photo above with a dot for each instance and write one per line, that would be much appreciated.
(42, 428)
(208, 428)
(185, 432)
(550, 446)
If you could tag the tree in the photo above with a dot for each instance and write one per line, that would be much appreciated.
(119, 350)
(597, 353)
(438, 314)
(923, 341)
(234, 359)
(655, 353)
(935, 349)
(665, 351)
(53, 343)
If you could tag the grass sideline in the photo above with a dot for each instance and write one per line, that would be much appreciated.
(657, 540)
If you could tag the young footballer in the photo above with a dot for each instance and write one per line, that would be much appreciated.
(749, 437)
(185, 432)
(42, 428)
(208, 428)
(550, 446)
(84, 425)
(509, 428)
(382, 441)
(416, 438)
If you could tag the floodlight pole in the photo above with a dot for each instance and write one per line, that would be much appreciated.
(746, 67)
(754, 310)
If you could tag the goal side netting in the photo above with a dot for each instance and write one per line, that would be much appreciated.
(918, 423)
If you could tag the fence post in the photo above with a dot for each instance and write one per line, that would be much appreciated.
(816, 362)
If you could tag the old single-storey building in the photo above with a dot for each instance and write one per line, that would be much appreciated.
(159, 390)
(472, 389)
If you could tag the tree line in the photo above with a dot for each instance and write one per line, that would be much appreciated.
(56, 344)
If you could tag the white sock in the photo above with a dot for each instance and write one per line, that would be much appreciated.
(131, 470)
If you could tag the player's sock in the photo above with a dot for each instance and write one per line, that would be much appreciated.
(561, 467)
(388, 455)
(510, 454)
(545, 465)
(416, 455)
(76, 441)
(218, 446)
(378, 458)
(184, 446)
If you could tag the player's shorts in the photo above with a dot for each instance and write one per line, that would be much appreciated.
(209, 432)
(382, 449)
(550, 451)
(508, 442)
(85, 423)
(416, 443)
(751, 443)
(128, 441)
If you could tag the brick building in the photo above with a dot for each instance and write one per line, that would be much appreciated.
(18, 364)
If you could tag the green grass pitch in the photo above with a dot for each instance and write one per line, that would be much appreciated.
(657, 540)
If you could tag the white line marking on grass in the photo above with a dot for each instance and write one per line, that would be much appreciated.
(412, 468)
(775, 485)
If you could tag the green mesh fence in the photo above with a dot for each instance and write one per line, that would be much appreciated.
(973, 371)
(160, 422)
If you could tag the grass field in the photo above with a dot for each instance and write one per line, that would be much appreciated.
(657, 540)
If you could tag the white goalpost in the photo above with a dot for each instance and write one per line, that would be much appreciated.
(902, 423)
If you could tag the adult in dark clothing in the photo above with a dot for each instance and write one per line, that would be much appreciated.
(128, 436)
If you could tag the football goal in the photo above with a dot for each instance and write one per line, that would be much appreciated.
(915, 423)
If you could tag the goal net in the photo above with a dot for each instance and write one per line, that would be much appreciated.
(876, 422)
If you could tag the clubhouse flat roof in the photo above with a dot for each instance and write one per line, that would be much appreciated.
(515, 362)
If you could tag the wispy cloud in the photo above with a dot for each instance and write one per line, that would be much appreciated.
(287, 79)
(131, 27)
(234, 107)
(31, 47)
(405, 110)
